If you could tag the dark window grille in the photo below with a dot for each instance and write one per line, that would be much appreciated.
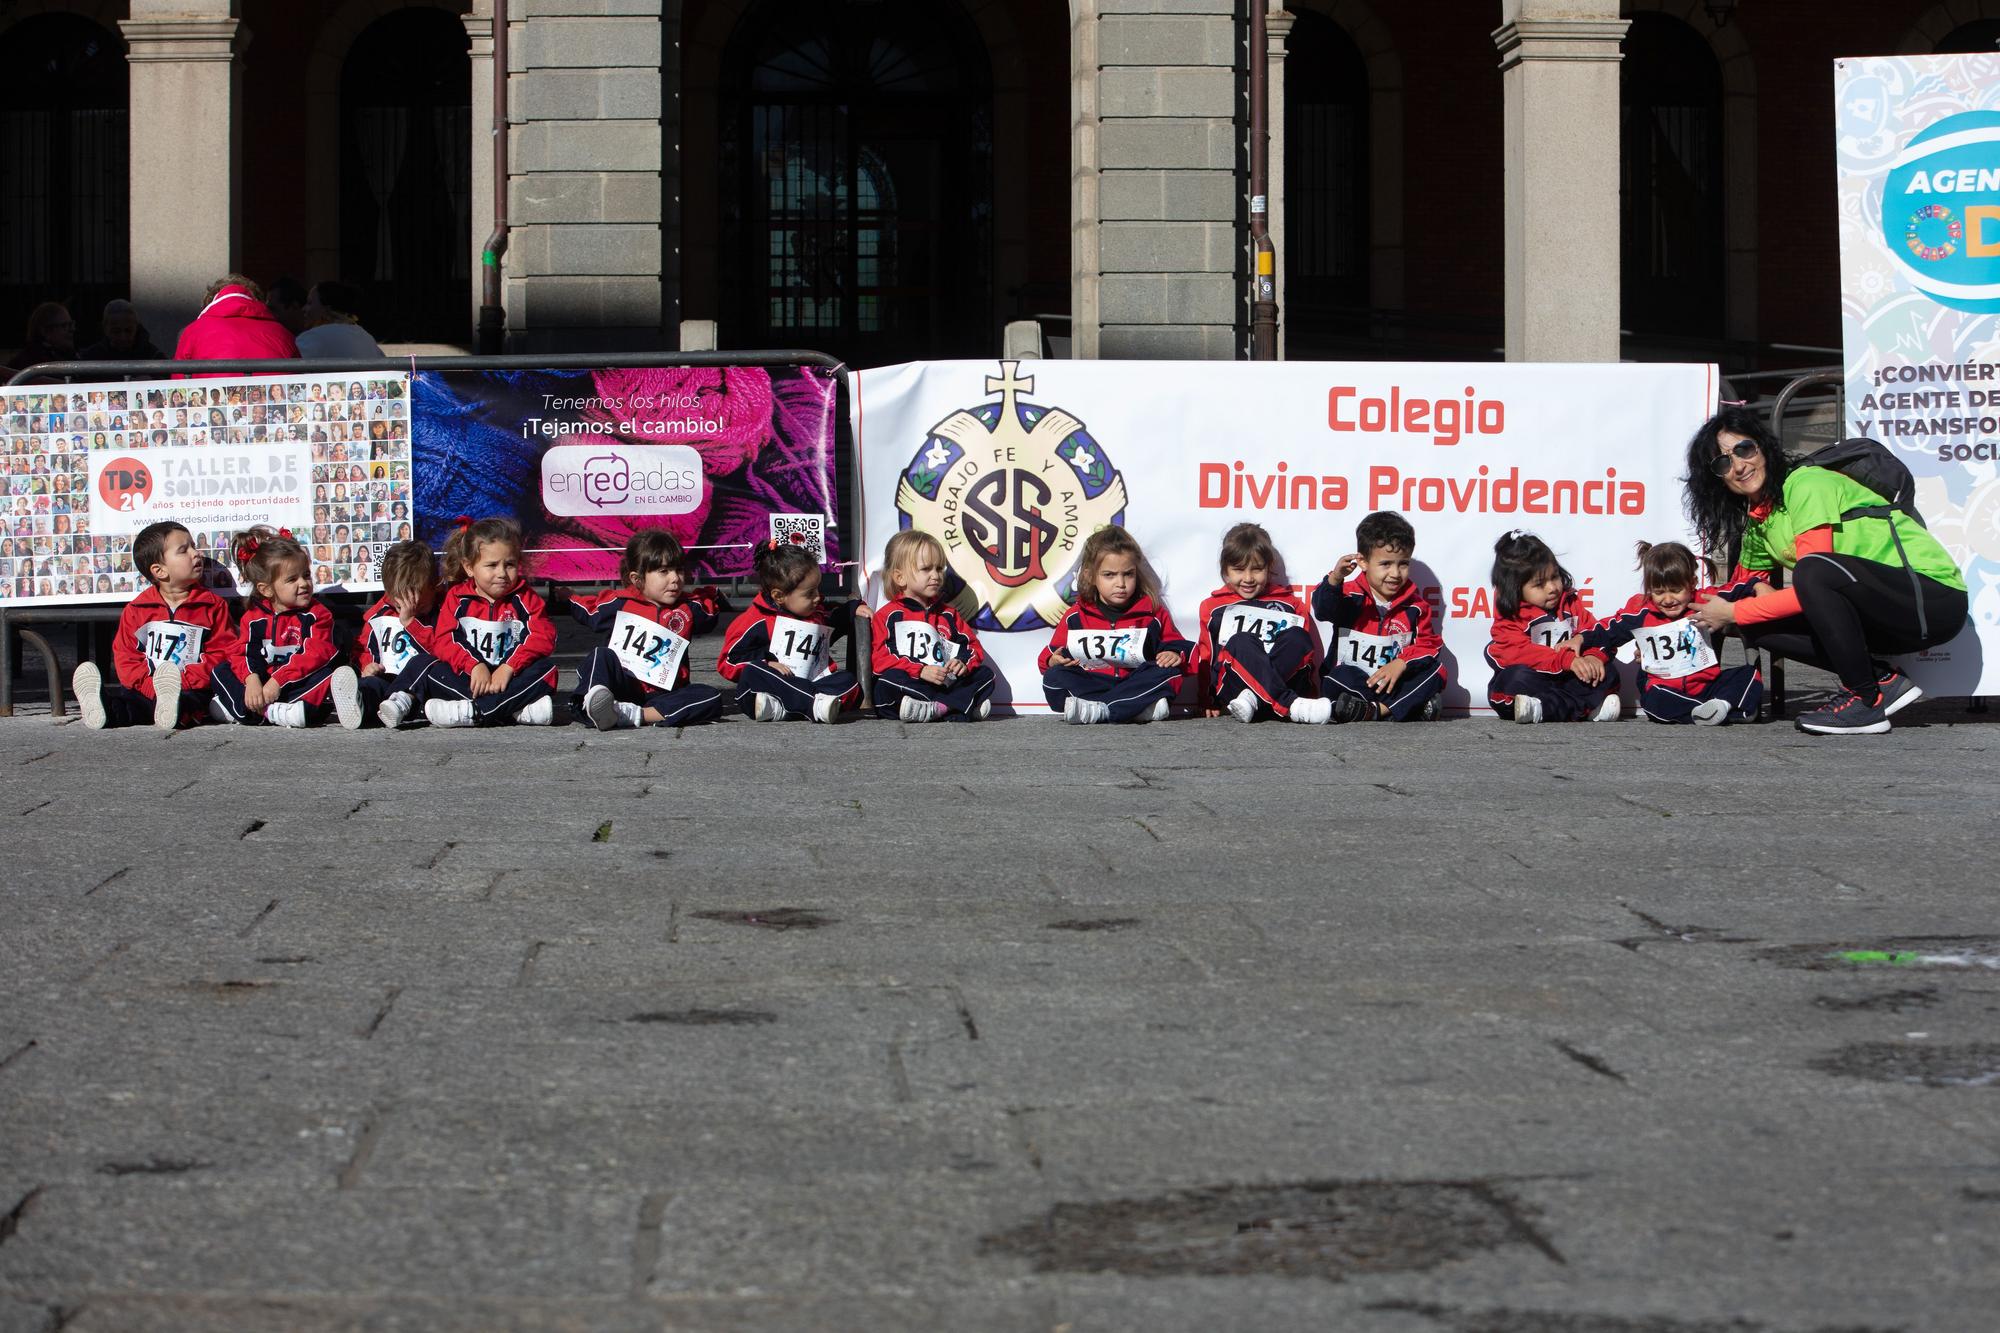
(1326, 257)
(1671, 176)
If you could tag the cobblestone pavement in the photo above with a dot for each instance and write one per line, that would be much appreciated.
(1456, 1028)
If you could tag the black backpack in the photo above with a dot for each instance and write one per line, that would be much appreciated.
(1872, 464)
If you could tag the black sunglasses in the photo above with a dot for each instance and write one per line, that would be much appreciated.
(1743, 449)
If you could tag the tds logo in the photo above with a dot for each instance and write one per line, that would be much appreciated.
(1012, 490)
(125, 484)
(1941, 211)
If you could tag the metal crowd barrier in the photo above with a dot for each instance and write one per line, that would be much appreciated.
(14, 619)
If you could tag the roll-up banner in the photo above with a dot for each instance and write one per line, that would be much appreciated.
(722, 457)
(1013, 464)
(1918, 147)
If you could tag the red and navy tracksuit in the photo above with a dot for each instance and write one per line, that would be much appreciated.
(1261, 644)
(910, 636)
(1369, 634)
(197, 636)
(1114, 653)
(1526, 660)
(474, 630)
(764, 636)
(405, 652)
(292, 649)
(1677, 667)
(644, 660)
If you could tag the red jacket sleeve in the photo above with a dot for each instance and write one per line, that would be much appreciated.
(541, 640)
(218, 645)
(318, 649)
(1204, 643)
(1425, 638)
(975, 652)
(747, 640)
(1058, 643)
(132, 669)
(1785, 601)
(882, 654)
(448, 649)
(1171, 639)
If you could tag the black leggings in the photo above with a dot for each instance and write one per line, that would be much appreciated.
(1855, 612)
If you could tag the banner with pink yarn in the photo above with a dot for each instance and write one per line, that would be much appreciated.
(583, 459)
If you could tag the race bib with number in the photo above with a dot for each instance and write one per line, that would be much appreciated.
(1266, 622)
(1553, 632)
(1114, 648)
(802, 645)
(648, 650)
(394, 648)
(1676, 649)
(920, 640)
(493, 641)
(170, 641)
(1371, 651)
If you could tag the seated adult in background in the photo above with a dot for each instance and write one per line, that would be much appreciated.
(234, 325)
(333, 324)
(125, 338)
(51, 337)
(1851, 601)
(286, 298)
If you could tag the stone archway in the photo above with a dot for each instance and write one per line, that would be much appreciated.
(1739, 158)
(1941, 20)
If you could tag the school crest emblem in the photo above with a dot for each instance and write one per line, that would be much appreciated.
(1012, 489)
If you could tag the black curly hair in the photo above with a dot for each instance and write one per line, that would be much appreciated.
(1718, 513)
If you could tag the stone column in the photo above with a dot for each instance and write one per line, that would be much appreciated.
(479, 27)
(1277, 31)
(186, 145)
(1559, 63)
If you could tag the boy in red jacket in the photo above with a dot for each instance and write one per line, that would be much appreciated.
(170, 639)
(1387, 660)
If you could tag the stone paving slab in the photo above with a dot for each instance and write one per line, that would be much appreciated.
(429, 1031)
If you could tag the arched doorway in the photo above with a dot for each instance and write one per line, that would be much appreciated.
(1981, 36)
(1327, 242)
(64, 182)
(1672, 172)
(406, 175)
(857, 180)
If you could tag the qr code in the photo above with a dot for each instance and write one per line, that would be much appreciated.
(804, 530)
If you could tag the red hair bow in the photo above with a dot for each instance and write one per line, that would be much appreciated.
(464, 520)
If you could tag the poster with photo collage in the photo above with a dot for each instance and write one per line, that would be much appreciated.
(88, 465)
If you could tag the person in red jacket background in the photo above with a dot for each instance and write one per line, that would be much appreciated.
(234, 325)
(171, 638)
(1537, 676)
(927, 661)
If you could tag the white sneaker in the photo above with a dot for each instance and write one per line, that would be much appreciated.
(1609, 710)
(766, 708)
(449, 712)
(291, 714)
(981, 710)
(826, 707)
(921, 710)
(392, 711)
(1086, 711)
(540, 713)
(1157, 713)
(87, 684)
(600, 705)
(166, 696)
(216, 709)
(630, 716)
(1243, 707)
(1527, 708)
(1313, 712)
(345, 687)
(1710, 712)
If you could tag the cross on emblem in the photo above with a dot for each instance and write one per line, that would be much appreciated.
(1009, 384)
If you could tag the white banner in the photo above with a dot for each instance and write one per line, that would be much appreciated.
(1013, 465)
(1918, 146)
(86, 466)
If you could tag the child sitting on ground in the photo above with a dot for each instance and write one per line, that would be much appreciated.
(1116, 657)
(1537, 677)
(398, 632)
(493, 636)
(171, 637)
(1255, 657)
(639, 675)
(287, 669)
(1387, 662)
(779, 652)
(927, 661)
(1680, 678)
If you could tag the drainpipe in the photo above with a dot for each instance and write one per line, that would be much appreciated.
(1264, 280)
(492, 301)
